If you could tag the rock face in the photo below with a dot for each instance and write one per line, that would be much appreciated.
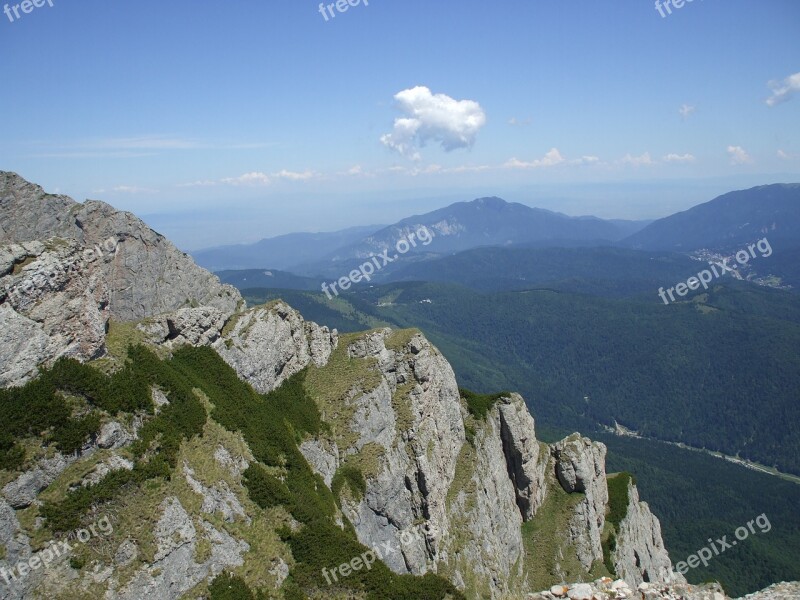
(265, 345)
(448, 492)
(640, 555)
(175, 570)
(448, 488)
(52, 304)
(522, 454)
(145, 273)
(580, 467)
(411, 423)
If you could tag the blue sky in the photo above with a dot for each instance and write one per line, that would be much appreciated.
(224, 122)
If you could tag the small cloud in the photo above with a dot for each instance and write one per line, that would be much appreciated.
(199, 183)
(551, 159)
(293, 175)
(738, 155)
(638, 161)
(679, 158)
(786, 156)
(433, 118)
(515, 122)
(783, 90)
(249, 179)
(685, 110)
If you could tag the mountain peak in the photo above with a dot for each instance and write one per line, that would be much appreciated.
(492, 202)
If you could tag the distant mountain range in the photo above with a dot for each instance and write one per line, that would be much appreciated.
(458, 227)
(722, 225)
(282, 252)
(728, 221)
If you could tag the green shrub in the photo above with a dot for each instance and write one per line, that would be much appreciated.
(609, 545)
(354, 479)
(229, 587)
(618, 498)
(266, 490)
(480, 404)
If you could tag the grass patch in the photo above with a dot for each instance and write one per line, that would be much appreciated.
(333, 386)
(618, 497)
(480, 404)
(550, 558)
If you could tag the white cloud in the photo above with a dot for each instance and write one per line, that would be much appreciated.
(685, 110)
(738, 155)
(294, 175)
(515, 122)
(251, 179)
(433, 117)
(550, 159)
(783, 90)
(679, 158)
(638, 161)
(198, 183)
(786, 156)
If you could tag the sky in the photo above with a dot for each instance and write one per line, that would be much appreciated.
(230, 122)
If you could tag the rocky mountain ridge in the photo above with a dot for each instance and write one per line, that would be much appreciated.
(446, 482)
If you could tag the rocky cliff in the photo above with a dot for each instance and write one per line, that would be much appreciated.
(196, 479)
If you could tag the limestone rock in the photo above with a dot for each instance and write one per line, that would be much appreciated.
(640, 555)
(51, 305)
(146, 274)
(267, 345)
(113, 463)
(22, 491)
(217, 498)
(525, 465)
(113, 435)
(580, 467)
(174, 570)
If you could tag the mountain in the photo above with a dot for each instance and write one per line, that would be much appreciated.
(281, 252)
(460, 226)
(716, 373)
(728, 222)
(466, 225)
(667, 372)
(201, 448)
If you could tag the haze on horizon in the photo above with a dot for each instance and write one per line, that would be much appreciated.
(222, 125)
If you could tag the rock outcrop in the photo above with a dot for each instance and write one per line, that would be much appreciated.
(144, 272)
(640, 555)
(265, 345)
(450, 487)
